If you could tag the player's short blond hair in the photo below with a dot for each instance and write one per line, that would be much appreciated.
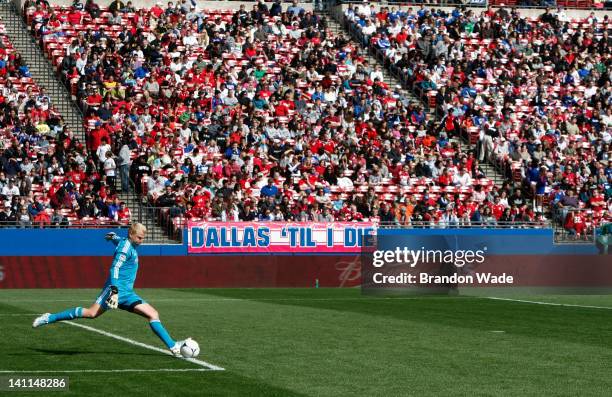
(135, 228)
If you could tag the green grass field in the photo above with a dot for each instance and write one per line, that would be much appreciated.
(319, 342)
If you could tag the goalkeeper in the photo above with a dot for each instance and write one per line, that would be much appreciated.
(118, 291)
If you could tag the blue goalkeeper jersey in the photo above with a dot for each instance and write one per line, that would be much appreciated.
(125, 265)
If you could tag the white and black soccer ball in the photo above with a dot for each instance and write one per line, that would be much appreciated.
(190, 348)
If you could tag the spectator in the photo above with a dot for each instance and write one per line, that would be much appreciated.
(10, 190)
(5, 217)
(167, 199)
(124, 167)
(92, 8)
(23, 218)
(116, 5)
(270, 190)
(58, 219)
(86, 208)
(124, 214)
(110, 169)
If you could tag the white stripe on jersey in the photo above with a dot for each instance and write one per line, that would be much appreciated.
(119, 263)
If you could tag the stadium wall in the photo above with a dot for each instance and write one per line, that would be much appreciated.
(79, 258)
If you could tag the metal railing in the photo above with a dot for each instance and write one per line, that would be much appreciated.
(414, 3)
(162, 226)
(566, 4)
(435, 225)
(466, 225)
(164, 218)
(570, 233)
(159, 223)
(61, 225)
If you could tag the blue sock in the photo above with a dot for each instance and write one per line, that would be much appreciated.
(161, 332)
(69, 314)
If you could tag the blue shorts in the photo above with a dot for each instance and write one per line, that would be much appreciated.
(128, 299)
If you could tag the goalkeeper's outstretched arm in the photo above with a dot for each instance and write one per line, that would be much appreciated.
(113, 238)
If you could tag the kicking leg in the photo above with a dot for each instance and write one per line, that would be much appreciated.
(93, 311)
(149, 312)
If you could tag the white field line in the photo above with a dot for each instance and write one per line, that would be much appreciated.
(77, 371)
(235, 299)
(549, 303)
(18, 314)
(255, 300)
(143, 345)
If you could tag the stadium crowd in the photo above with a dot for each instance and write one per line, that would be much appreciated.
(263, 114)
(534, 94)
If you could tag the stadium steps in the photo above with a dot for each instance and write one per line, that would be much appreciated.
(489, 169)
(492, 173)
(41, 69)
(148, 216)
(388, 78)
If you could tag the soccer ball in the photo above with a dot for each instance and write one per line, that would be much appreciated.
(190, 348)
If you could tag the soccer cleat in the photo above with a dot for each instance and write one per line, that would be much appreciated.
(176, 349)
(42, 320)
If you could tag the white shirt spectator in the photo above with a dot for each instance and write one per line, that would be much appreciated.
(479, 197)
(462, 179)
(185, 134)
(561, 15)
(176, 66)
(395, 29)
(502, 150)
(101, 152)
(349, 13)
(80, 64)
(377, 74)
(345, 183)
(606, 137)
(156, 185)
(9, 191)
(279, 29)
(190, 40)
(369, 29)
(330, 96)
(362, 9)
(109, 167)
(590, 91)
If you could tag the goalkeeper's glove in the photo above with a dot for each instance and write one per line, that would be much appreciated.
(113, 300)
(111, 236)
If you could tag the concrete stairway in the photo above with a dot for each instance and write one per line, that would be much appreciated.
(493, 174)
(335, 26)
(41, 69)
